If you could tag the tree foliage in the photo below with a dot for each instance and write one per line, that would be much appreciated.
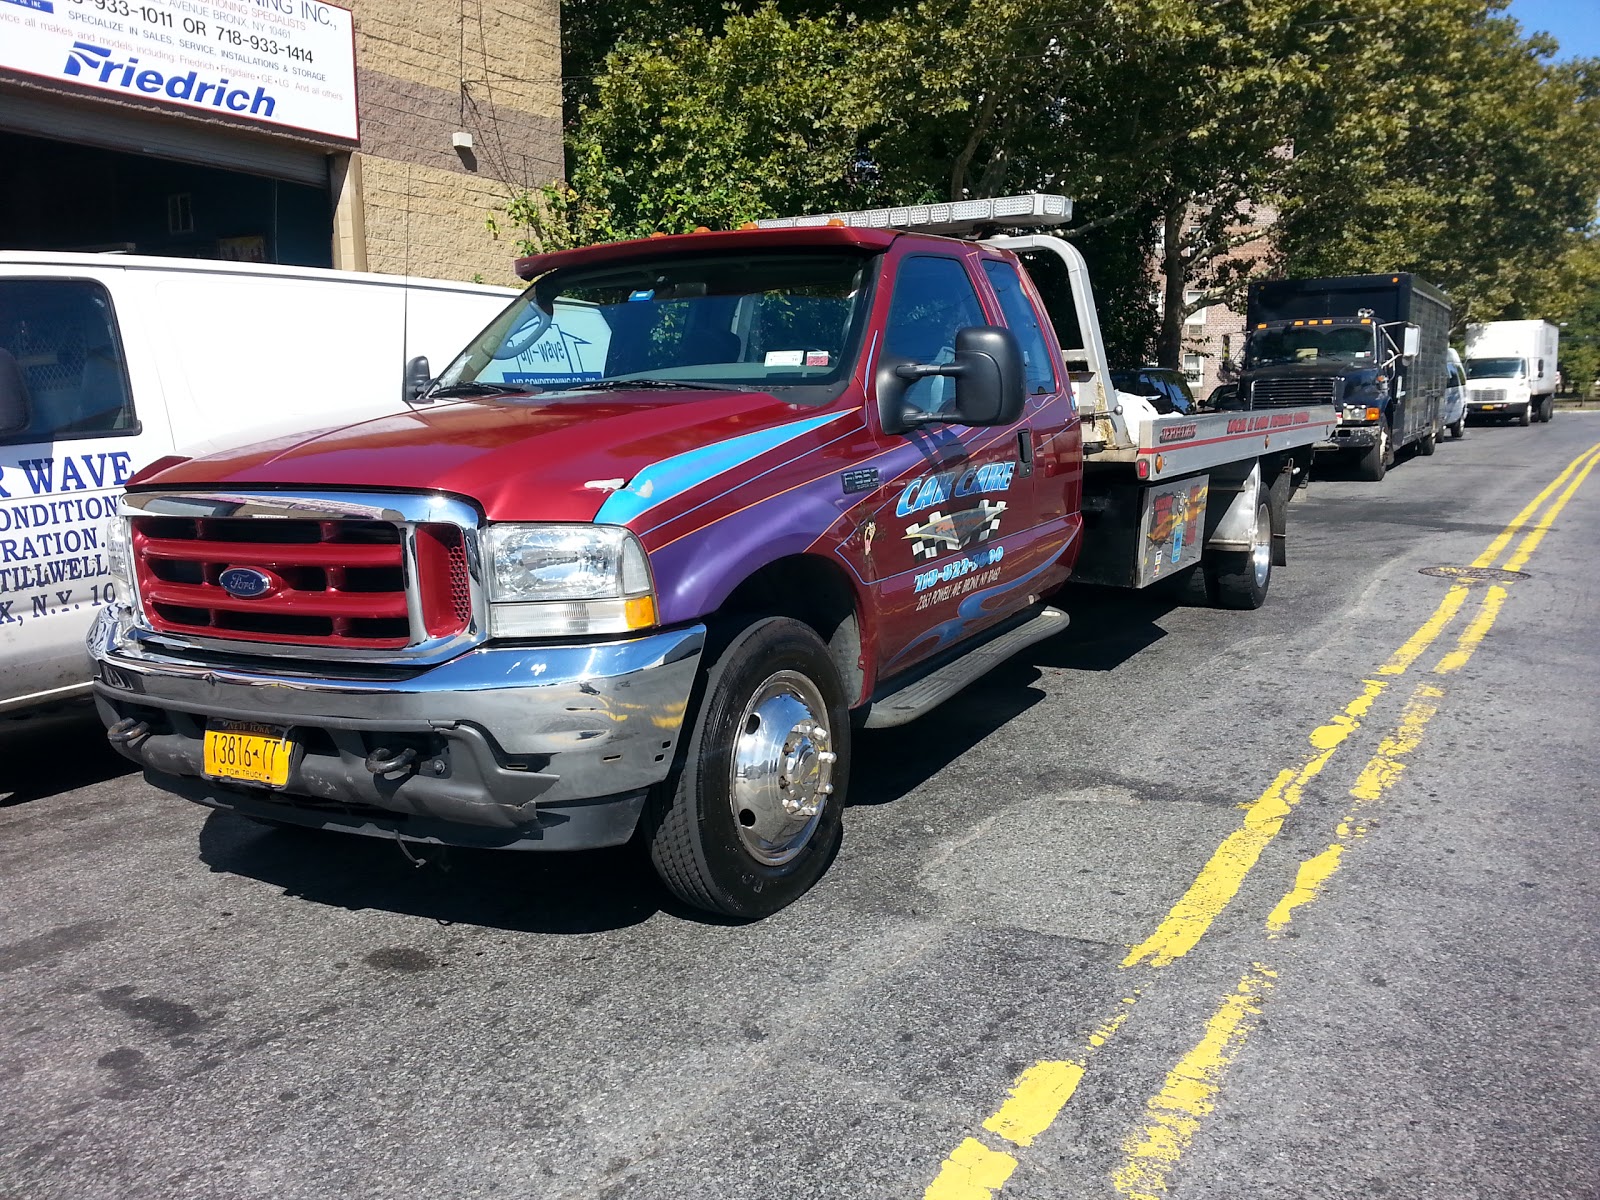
(1427, 135)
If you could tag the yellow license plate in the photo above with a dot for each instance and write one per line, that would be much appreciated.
(254, 753)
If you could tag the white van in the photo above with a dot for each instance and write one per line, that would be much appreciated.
(109, 362)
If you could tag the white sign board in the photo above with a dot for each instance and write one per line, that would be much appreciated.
(280, 64)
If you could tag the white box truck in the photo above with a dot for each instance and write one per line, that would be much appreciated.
(110, 362)
(1511, 369)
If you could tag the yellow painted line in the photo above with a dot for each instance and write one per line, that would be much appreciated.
(1382, 772)
(1222, 876)
(1427, 633)
(1035, 1099)
(1224, 873)
(1472, 636)
(1531, 542)
(1383, 768)
(1314, 872)
(1172, 1116)
(972, 1172)
(1503, 539)
(976, 1172)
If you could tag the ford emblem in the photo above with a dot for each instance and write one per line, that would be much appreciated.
(245, 582)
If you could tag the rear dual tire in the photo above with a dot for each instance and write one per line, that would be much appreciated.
(1239, 579)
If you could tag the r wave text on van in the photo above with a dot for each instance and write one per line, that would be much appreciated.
(69, 473)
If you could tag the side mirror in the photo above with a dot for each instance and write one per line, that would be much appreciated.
(15, 411)
(418, 377)
(991, 384)
(990, 387)
(1411, 346)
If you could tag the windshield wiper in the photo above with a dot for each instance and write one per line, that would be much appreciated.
(626, 385)
(474, 387)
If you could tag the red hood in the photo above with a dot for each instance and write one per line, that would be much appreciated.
(520, 462)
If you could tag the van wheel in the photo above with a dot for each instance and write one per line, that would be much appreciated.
(1458, 428)
(1240, 579)
(1374, 464)
(1428, 442)
(753, 817)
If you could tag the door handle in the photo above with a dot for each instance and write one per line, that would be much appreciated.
(1024, 451)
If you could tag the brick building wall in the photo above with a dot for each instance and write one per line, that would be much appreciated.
(1216, 333)
(410, 203)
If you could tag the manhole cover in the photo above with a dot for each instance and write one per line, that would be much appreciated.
(1476, 574)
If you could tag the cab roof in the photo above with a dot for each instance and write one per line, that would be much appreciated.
(824, 237)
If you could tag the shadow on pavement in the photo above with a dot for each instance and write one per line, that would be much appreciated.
(46, 756)
(607, 889)
(1109, 627)
(524, 892)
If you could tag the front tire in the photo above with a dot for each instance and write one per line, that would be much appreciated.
(1240, 579)
(1374, 464)
(1458, 428)
(1525, 417)
(753, 816)
(1428, 442)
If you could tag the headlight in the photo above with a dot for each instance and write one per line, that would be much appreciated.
(566, 580)
(119, 559)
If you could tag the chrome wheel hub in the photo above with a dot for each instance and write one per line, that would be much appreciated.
(1261, 546)
(782, 768)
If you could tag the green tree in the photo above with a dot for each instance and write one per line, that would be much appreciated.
(1479, 172)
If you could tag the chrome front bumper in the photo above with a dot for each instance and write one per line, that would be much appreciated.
(531, 746)
(1351, 437)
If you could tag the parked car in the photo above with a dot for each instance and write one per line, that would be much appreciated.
(110, 362)
(1455, 398)
(1166, 389)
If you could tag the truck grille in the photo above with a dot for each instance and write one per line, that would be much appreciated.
(1293, 392)
(339, 583)
(1488, 395)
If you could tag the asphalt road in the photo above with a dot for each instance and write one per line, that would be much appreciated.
(1185, 903)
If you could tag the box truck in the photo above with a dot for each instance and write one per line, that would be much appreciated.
(1372, 346)
(1511, 369)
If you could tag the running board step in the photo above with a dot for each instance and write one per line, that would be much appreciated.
(911, 701)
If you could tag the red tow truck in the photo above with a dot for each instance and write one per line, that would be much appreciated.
(688, 514)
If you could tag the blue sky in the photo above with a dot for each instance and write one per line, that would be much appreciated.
(1573, 23)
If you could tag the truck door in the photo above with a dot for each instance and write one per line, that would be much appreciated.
(954, 524)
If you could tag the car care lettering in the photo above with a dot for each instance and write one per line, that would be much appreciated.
(52, 514)
(928, 490)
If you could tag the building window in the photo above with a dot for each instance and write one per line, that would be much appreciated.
(1194, 368)
(1196, 319)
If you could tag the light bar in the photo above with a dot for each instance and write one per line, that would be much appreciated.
(1030, 210)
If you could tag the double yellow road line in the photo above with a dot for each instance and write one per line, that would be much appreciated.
(978, 1168)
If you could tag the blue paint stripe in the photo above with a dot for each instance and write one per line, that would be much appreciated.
(660, 482)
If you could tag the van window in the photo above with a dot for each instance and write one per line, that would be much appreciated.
(1024, 322)
(63, 335)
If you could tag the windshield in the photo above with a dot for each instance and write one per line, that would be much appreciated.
(1496, 368)
(1300, 343)
(781, 322)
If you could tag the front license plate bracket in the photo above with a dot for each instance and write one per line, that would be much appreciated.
(241, 752)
